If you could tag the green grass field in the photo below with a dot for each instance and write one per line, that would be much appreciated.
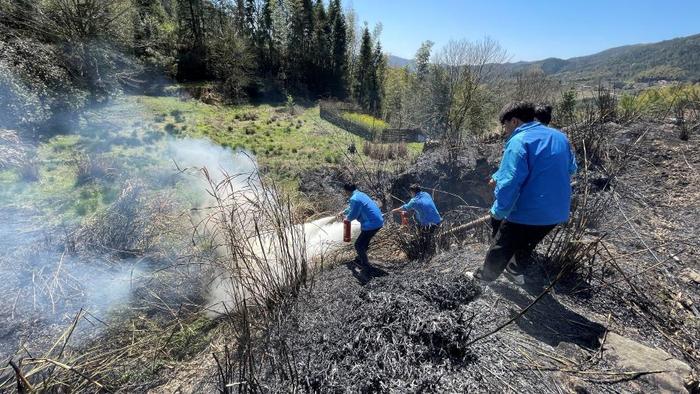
(285, 144)
(126, 140)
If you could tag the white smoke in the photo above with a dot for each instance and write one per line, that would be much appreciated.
(55, 286)
(219, 161)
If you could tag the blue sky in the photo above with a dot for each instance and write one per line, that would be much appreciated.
(529, 30)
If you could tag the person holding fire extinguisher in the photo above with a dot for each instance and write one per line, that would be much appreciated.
(422, 204)
(426, 214)
(363, 209)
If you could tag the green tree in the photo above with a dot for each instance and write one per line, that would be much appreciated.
(363, 72)
(154, 36)
(422, 60)
(192, 54)
(377, 80)
(339, 57)
(566, 110)
(299, 44)
(319, 81)
(396, 95)
(269, 55)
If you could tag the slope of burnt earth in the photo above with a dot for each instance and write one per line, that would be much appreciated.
(457, 182)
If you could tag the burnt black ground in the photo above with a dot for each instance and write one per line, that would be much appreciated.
(407, 331)
(348, 333)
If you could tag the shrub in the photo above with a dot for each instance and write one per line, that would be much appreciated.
(249, 116)
(383, 152)
(177, 114)
(171, 128)
(402, 150)
(565, 113)
(606, 102)
(90, 168)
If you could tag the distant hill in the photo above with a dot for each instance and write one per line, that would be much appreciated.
(676, 59)
(395, 61)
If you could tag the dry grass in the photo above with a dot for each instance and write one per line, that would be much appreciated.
(109, 346)
(258, 243)
(90, 168)
(384, 152)
(12, 150)
(131, 226)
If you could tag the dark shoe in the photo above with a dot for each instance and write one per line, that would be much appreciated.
(513, 276)
(476, 275)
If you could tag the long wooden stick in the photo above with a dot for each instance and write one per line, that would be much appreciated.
(467, 226)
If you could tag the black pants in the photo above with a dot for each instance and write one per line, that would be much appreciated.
(425, 237)
(362, 244)
(511, 239)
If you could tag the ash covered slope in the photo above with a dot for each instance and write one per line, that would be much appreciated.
(407, 327)
(410, 330)
(619, 326)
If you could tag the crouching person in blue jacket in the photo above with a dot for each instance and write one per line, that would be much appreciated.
(366, 211)
(532, 191)
(427, 217)
(424, 207)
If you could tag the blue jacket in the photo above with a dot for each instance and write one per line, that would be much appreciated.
(366, 211)
(533, 181)
(426, 211)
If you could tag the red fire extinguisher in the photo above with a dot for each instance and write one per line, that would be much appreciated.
(346, 230)
(404, 218)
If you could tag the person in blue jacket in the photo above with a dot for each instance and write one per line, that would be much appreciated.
(532, 191)
(427, 217)
(422, 204)
(363, 209)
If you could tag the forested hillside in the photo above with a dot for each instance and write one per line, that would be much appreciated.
(60, 55)
(674, 60)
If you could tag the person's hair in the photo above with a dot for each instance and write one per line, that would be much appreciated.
(522, 110)
(414, 188)
(349, 187)
(543, 113)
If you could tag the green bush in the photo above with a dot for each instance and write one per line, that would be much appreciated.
(171, 128)
(177, 114)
